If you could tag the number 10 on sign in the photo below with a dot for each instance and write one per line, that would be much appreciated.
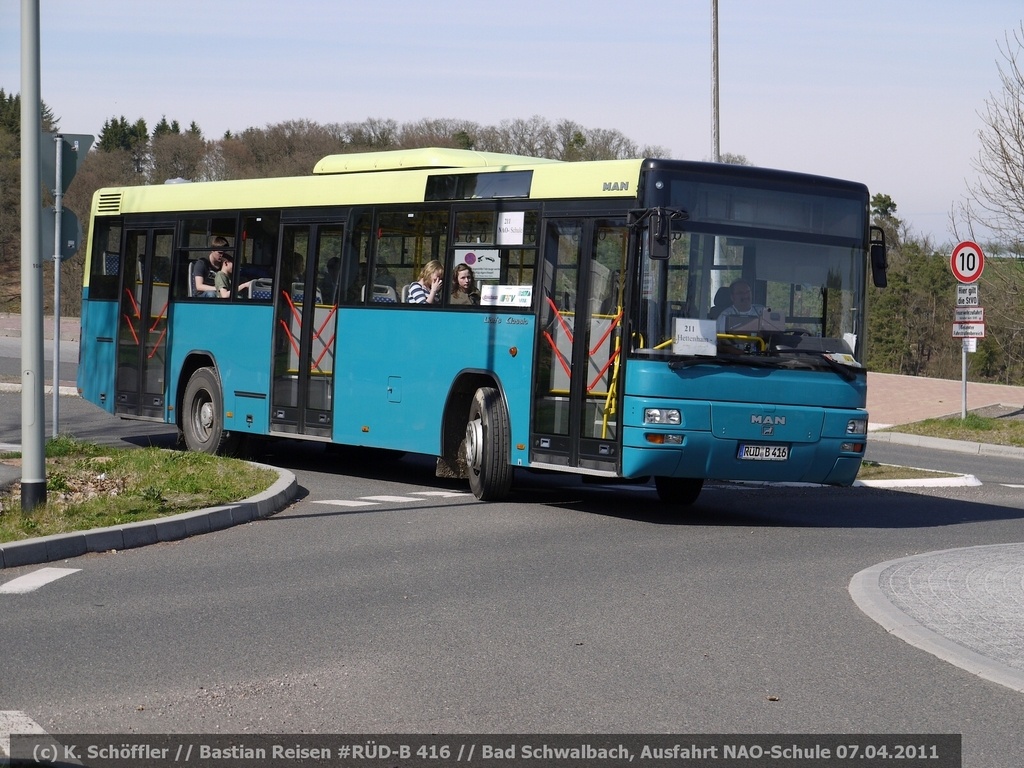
(967, 262)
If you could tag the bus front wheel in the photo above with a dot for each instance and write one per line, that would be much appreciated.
(682, 491)
(487, 449)
(203, 420)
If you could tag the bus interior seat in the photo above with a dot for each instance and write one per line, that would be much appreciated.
(161, 269)
(111, 262)
(261, 289)
(405, 293)
(382, 294)
(723, 299)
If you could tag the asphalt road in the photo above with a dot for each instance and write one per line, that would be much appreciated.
(385, 600)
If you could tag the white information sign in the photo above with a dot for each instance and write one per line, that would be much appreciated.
(970, 345)
(691, 336)
(510, 227)
(506, 295)
(969, 314)
(967, 295)
(968, 330)
(485, 262)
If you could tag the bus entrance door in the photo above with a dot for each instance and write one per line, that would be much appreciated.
(576, 381)
(142, 323)
(302, 400)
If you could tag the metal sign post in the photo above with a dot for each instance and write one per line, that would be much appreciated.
(68, 152)
(967, 262)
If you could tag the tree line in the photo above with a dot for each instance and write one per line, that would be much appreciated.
(909, 326)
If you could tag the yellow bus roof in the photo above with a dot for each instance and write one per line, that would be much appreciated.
(373, 178)
(427, 157)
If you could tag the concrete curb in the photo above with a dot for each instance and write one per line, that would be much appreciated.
(943, 444)
(64, 545)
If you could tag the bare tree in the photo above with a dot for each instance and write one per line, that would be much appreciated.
(996, 201)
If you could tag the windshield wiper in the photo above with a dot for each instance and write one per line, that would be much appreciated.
(813, 361)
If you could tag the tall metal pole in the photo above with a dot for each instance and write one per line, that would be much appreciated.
(716, 150)
(58, 207)
(33, 414)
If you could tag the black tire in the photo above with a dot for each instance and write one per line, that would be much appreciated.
(487, 446)
(202, 419)
(680, 491)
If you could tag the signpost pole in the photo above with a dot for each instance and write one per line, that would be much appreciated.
(963, 380)
(967, 262)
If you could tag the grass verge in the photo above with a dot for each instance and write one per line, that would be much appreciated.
(975, 428)
(88, 486)
(872, 470)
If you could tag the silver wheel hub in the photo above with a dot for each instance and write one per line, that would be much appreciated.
(206, 415)
(474, 444)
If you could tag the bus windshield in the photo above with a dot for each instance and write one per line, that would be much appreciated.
(756, 276)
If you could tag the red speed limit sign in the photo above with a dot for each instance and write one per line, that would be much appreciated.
(967, 262)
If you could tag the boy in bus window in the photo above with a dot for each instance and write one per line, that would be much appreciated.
(427, 290)
(222, 280)
(205, 267)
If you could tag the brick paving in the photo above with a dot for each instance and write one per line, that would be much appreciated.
(894, 399)
(973, 597)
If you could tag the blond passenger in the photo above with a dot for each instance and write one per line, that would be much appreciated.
(427, 290)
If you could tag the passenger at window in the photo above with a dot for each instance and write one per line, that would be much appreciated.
(222, 280)
(329, 286)
(742, 306)
(205, 267)
(464, 286)
(427, 290)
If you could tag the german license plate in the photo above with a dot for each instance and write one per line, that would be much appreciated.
(763, 452)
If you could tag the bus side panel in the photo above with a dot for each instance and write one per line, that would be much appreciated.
(237, 338)
(392, 385)
(96, 368)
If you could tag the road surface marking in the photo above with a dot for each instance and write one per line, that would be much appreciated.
(14, 722)
(33, 581)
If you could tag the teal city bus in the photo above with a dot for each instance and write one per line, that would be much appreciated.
(591, 345)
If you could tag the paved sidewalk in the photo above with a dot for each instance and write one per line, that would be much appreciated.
(965, 606)
(70, 327)
(894, 400)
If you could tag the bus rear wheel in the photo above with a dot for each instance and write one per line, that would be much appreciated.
(487, 449)
(202, 423)
(681, 491)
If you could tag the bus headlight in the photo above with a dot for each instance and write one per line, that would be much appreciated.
(857, 427)
(662, 416)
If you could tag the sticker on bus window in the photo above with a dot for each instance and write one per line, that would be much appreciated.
(485, 262)
(691, 336)
(510, 227)
(506, 295)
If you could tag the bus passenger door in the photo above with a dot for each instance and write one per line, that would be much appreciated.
(576, 386)
(142, 323)
(302, 398)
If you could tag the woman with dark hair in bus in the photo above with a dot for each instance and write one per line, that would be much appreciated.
(464, 286)
(427, 290)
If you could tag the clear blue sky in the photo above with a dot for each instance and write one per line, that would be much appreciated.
(888, 93)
